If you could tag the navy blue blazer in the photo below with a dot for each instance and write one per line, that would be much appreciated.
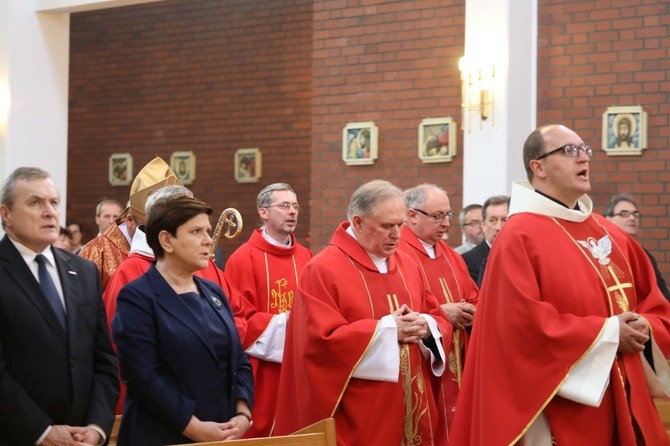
(169, 364)
(49, 375)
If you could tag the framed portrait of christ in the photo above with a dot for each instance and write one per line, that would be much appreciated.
(624, 130)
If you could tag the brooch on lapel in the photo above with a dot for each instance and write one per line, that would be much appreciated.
(215, 301)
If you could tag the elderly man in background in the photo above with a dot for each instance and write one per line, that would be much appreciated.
(428, 218)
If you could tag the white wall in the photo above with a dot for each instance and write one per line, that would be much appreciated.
(502, 33)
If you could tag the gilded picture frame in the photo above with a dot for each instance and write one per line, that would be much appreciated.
(624, 130)
(120, 169)
(248, 165)
(437, 140)
(359, 143)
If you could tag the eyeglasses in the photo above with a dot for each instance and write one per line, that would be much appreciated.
(285, 206)
(571, 150)
(626, 214)
(437, 216)
(474, 223)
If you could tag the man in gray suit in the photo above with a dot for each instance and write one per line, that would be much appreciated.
(58, 379)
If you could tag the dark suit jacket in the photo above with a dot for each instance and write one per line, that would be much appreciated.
(169, 363)
(659, 277)
(49, 376)
(475, 258)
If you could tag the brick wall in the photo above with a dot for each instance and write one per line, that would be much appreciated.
(598, 54)
(201, 75)
(287, 76)
(394, 63)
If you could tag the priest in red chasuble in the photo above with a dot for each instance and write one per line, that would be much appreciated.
(428, 219)
(265, 269)
(365, 334)
(570, 324)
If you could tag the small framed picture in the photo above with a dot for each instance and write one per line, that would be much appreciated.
(183, 166)
(359, 143)
(437, 140)
(624, 130)
(120, 169)
(248, 165)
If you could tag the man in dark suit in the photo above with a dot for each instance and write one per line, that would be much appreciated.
(494, 214)
(622, 211)
(58, 379)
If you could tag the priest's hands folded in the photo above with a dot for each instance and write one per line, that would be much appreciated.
(412, 327)
(460, 314)
(633, 332)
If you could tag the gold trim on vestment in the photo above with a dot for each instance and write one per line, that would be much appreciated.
(590, 260)
(267, 279)
(351, 372)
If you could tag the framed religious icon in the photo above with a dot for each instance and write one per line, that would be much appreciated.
(183, 166)
(437, 140)
(359, 143)
(248, 165)
(624, 130)
(120, 169)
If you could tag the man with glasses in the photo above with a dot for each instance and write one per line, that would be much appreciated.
(472, 229)
(494, 214)
(428, 218)
(568, 304)
(622, 211)
(265, 270)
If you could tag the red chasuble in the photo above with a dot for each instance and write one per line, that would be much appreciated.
(107, 251)
(341, 299)
(267, 276)
(136, 265)
(550, 284)
(448, 278)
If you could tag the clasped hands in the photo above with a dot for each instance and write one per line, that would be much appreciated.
(71, 435)
(460, 314)
(412, 326)
(633, 332)
(202, 431)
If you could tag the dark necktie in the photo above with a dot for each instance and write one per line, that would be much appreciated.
(49, 288)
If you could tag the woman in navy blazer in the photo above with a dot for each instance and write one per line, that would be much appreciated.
(187, 375)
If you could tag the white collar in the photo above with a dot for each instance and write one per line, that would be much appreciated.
(139, 244)
(525, 199)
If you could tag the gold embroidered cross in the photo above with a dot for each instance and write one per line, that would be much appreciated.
(621, 297)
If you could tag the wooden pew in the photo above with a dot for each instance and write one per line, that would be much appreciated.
(321, 433)
(663, 407)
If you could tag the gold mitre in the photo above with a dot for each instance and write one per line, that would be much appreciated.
(156, 174)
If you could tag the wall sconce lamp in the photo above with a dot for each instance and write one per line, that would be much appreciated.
(477, 84)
